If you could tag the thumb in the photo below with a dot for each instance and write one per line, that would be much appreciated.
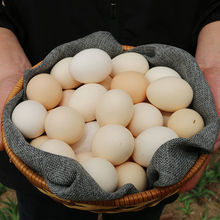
(6, 85)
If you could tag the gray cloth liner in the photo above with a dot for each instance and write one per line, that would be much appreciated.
(66, 178)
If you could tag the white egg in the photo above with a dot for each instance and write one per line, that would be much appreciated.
(115, 107)
(29, 116)
(158, 72)
(130, 172)
(129, 61)
(103, 172)
(85, 142)
(61, 73)
(114, 143)
(148, 141)
(58, 147)
(145, 116)
(91, 65)
(85, 100)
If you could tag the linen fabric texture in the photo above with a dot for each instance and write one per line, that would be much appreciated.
(66, 178)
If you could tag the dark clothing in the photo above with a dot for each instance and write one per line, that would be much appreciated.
(44, 208)
(42, 25)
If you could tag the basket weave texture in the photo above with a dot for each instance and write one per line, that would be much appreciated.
(130, 201)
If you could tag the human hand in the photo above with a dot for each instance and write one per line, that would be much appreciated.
(6, 85)
(212, 76)
(13, 63)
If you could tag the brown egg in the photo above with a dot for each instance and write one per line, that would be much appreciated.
(64, 123)
(186, 122)
(44, 89)
(107, 82)
(170, 93)
(134, 83)
(130, 172)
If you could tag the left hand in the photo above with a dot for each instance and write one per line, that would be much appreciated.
(212, 76)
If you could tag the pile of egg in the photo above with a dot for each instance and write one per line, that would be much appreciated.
(109, 114)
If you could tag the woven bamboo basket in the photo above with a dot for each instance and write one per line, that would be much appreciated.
(128, 203)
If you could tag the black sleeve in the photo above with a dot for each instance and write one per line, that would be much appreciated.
(5, 20)
(210, 12)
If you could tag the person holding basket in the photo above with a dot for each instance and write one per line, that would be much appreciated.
(29, 30)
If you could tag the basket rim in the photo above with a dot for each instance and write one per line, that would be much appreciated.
(148, 197)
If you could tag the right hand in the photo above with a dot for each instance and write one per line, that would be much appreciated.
(6, 85)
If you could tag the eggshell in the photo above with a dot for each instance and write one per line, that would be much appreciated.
(61, 73)
(170, 93)
(85, 100)
(66, 97)
(91, 65)
(36, 142)
(115, 107)
(145, 116)
(58, 147)
(85, 142)
(130, 172)
(45, 89)
(103, 172)
(159, 72)
(107, 82)
(114, 143)
(83, 156)
(134, 83)
(64, 123)
(186, 122)
(129, 61)
(148, 141)
(29, 116)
